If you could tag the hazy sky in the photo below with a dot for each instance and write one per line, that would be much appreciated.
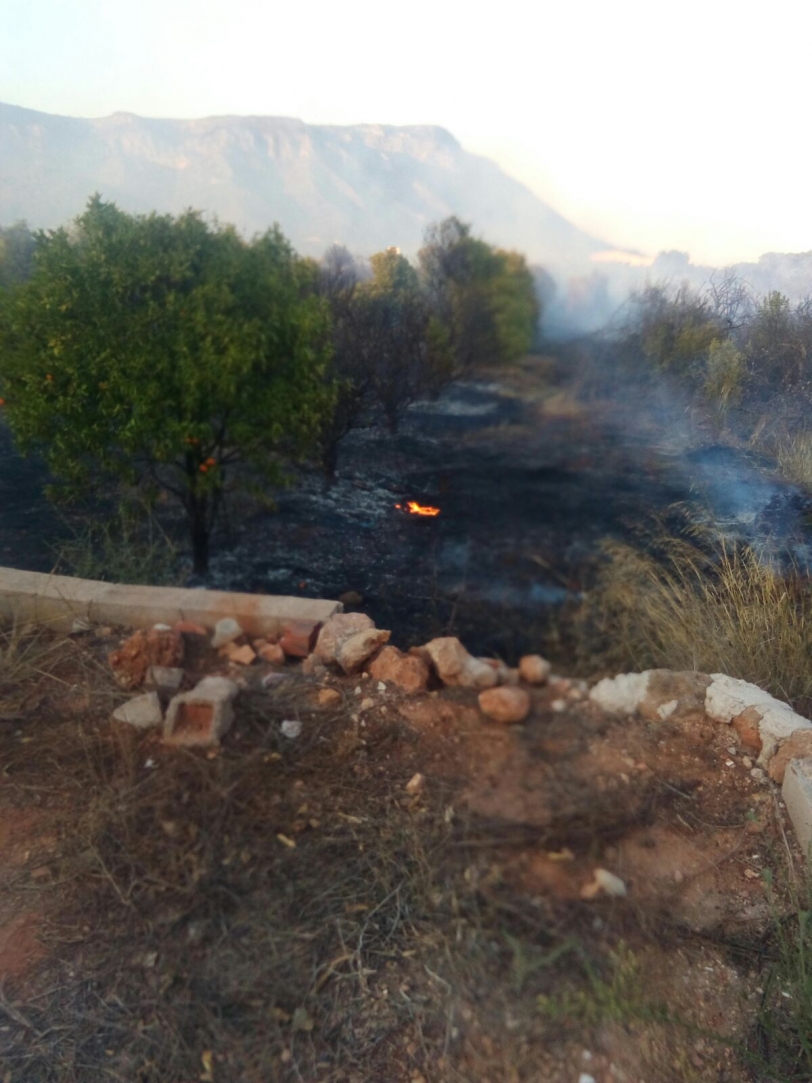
(652, 123)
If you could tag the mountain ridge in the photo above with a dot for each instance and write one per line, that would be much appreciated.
(366, 185)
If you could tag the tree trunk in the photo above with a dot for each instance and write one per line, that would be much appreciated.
(200, 537)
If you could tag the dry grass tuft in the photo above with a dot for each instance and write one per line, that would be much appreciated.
(29, 656)
(793, 456)
(681, 608)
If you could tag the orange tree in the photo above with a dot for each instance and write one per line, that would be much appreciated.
(164, 351)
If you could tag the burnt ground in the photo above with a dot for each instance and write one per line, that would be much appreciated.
(529, 482)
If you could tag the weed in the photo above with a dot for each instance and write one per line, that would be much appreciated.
(619, 997)
(27, 655)
(129, 547)
(785, 1014)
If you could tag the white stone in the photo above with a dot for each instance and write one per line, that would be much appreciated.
(726, 697)
(415, 784)
(665, 710)
(291, 728)
(164, 678)
(622, 694)
(226, 631)
(797, 794)
(143, 712)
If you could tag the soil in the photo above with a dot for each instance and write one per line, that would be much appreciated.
(282, 909)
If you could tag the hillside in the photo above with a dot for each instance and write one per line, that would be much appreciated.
(367, 186)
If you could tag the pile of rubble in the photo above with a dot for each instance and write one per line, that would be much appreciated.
(199, 710)
(199, 713)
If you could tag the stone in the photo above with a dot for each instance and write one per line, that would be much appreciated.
(143, 712)
(620, 694)
(312, 667)
(142, 650)
(241, 655)
(746, 726)
(291, 728)
(656, 694)
(190, 628)
(604, 882)
(298, 638)
(167, 679)
(796, 747)
(416, 784)
(226, 631)
(356, 649)
(456, 667)
(534, 669)
(328, 697)
(729, 697)
(335, 630)
(408, 672)
(273, 653)
(200, 718)
(797, 794)
(351, 597)
(505, 704)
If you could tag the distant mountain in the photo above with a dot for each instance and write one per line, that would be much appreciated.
(366, 186)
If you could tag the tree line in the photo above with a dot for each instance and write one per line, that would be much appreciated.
(174, 355)
(746, 360)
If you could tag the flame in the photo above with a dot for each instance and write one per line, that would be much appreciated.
(413, 508)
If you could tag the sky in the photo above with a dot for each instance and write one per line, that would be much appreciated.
(653, 125)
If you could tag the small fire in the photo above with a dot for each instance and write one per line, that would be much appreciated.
(413, 508)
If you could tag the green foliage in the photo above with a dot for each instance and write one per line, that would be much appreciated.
(619, 997)
(725, 373)
(779, 344)
(675, 331)
(785, 1012)
(392, 275)
(484, 296)
(160, 349)
(407, 348)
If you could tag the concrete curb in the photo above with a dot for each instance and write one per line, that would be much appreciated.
(59, 600)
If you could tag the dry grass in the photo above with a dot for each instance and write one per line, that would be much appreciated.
(29, 658)
(282, 910)
(793, 456)
(681, 608)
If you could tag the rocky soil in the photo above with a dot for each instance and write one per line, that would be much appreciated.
(370, 871)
